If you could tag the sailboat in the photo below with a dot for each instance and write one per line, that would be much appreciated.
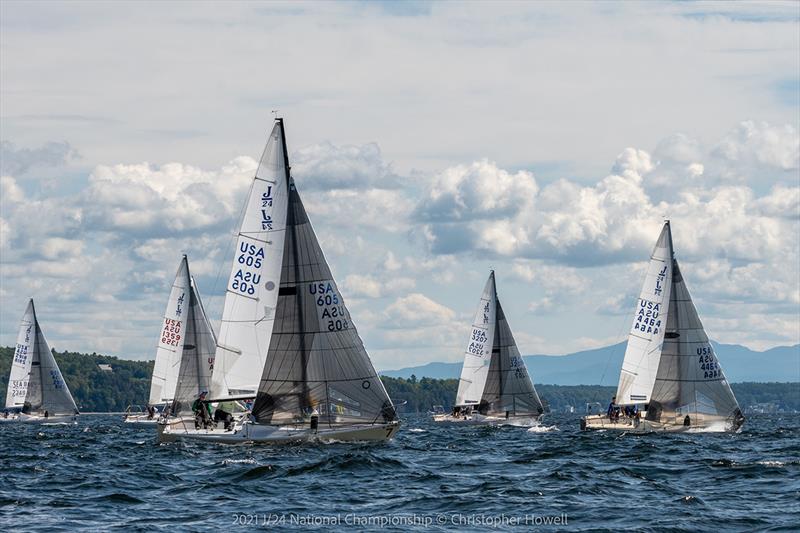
(671, 379)
(495, 387)
(36, 391)
(185, 353)
(317, 381)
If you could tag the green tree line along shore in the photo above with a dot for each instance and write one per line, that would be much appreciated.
(128, 383)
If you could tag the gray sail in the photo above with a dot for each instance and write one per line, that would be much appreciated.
(47, 390)
(197, 360)
(316, 359)
(690, 381)
(509, 389)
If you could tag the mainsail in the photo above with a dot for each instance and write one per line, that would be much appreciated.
(44, 386)
(690, 380)
(197, 361)
(252, 291)
(509, 388)
(647, 333)
(478, 353)
(171, 339)
(316, 360)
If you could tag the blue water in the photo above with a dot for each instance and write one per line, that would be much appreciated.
(100, 475)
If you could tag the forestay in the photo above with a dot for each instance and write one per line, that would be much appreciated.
(252, 291)
(171, 339)
(197, 361)
(647, 332)
(478, 354)
(690, 380)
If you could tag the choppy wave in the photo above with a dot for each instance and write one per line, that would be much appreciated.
(432, 476)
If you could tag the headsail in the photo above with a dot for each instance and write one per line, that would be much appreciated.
(478, 353)
(23, 356)
(252, 290)
(647, 333)
(171, 339)
(316, 360)
(197, 361)
(509, 388)
(690, 380)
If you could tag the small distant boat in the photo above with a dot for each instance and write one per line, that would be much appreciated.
(316, 381)
(671, 379)
(184, 357)
(37, 391)
(495, 387)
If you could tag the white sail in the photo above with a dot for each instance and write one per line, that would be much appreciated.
(252, 290)
(478, 354)
(646, 337)
(171, 339)
(21, 364)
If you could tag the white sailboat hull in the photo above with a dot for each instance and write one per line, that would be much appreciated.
(705, 425)
(52, 419)
(478, 419)
(141, 420)
(259, 433)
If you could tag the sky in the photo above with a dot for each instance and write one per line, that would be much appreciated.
(431, 142)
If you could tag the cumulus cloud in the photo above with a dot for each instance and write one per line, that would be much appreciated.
(759, 143)
(327, 166)
(16, 161)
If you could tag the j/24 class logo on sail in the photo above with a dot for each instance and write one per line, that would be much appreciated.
(331, 312)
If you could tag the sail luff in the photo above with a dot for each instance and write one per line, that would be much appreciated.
(643, 351)
(305, 398)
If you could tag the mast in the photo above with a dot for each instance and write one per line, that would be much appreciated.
(304, 401)
(495, 343)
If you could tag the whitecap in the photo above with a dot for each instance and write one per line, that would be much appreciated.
(248, 461)
(542, 429)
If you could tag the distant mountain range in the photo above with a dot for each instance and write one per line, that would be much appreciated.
(601, 366)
